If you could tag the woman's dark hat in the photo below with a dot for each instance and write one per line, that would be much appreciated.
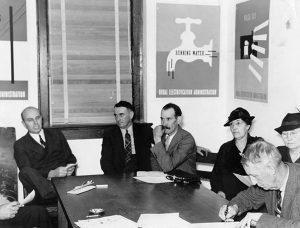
(239, 113)
(290, 122)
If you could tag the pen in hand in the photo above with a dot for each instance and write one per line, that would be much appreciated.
(225, 213)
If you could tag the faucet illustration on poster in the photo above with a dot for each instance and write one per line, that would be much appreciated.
(187, 56)
(251, 50)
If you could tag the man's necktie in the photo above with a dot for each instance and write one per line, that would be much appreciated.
(278, 203)
(127, 146)
(43, 143)
(167, 141)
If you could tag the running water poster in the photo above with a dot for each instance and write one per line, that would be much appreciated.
(187, 49)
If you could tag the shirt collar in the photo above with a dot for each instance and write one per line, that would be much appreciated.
(36, 136)
(130, 130)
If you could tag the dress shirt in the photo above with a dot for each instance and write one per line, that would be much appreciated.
(169, 139)
(130, 131)
(37, 138)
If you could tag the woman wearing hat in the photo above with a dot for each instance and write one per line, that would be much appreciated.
(290, 133)
(223, 181)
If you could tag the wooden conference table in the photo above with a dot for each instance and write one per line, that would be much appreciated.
(129, 197)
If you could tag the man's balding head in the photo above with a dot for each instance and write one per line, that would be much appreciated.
(32, 119)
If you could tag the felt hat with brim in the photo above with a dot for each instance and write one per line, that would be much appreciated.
(239, 113)
(290, 122)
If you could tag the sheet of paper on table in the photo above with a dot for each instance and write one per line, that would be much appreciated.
(244, 179)
(215, 225)
(154, 177)
(107, 222)
(166, 220)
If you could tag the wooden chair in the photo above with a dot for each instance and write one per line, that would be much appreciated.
(205, 164)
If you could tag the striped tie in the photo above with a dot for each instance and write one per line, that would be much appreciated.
(43, 143)
(127, 146)
(278, 203)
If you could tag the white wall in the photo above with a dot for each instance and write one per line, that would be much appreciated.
(88, 154)
(204, 117)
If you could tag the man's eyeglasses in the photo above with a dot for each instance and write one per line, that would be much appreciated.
(293, 133)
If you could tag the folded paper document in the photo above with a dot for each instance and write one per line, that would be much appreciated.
(28, 198)
(153, 177)
(81, 190)
(84, 187)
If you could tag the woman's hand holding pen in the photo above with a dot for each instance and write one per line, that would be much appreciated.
(228, 212)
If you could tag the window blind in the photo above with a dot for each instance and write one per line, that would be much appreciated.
(89, 46)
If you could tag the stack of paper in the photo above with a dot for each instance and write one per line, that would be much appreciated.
(107, 222)
(153, 177)
(167, 220)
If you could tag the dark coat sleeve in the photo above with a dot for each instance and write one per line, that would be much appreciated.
(216, 180)
(112, 154)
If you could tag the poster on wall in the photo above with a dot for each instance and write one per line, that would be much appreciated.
(19, 20)
(187, 50)
(252, 50)
(13, 27)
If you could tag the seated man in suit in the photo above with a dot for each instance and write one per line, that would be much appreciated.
(126, 146)
(175, 148)
(276, 185)
(13, 215)
(40, 155)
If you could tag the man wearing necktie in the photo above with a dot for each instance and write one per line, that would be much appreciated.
(174, 148)
(275, 184)
(40, 155)
(126, 146)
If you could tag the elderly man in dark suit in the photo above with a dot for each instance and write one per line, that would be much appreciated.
(174, 149)
(40, 155)
(126, 146)
(276, 184)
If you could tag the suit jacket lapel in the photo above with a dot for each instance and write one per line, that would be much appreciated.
(120, 141)
(136, 136)
(35, 146)
(290, 190)
(31, 141)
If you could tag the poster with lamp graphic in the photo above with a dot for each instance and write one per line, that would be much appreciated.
(252, 50)
(187, 49)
